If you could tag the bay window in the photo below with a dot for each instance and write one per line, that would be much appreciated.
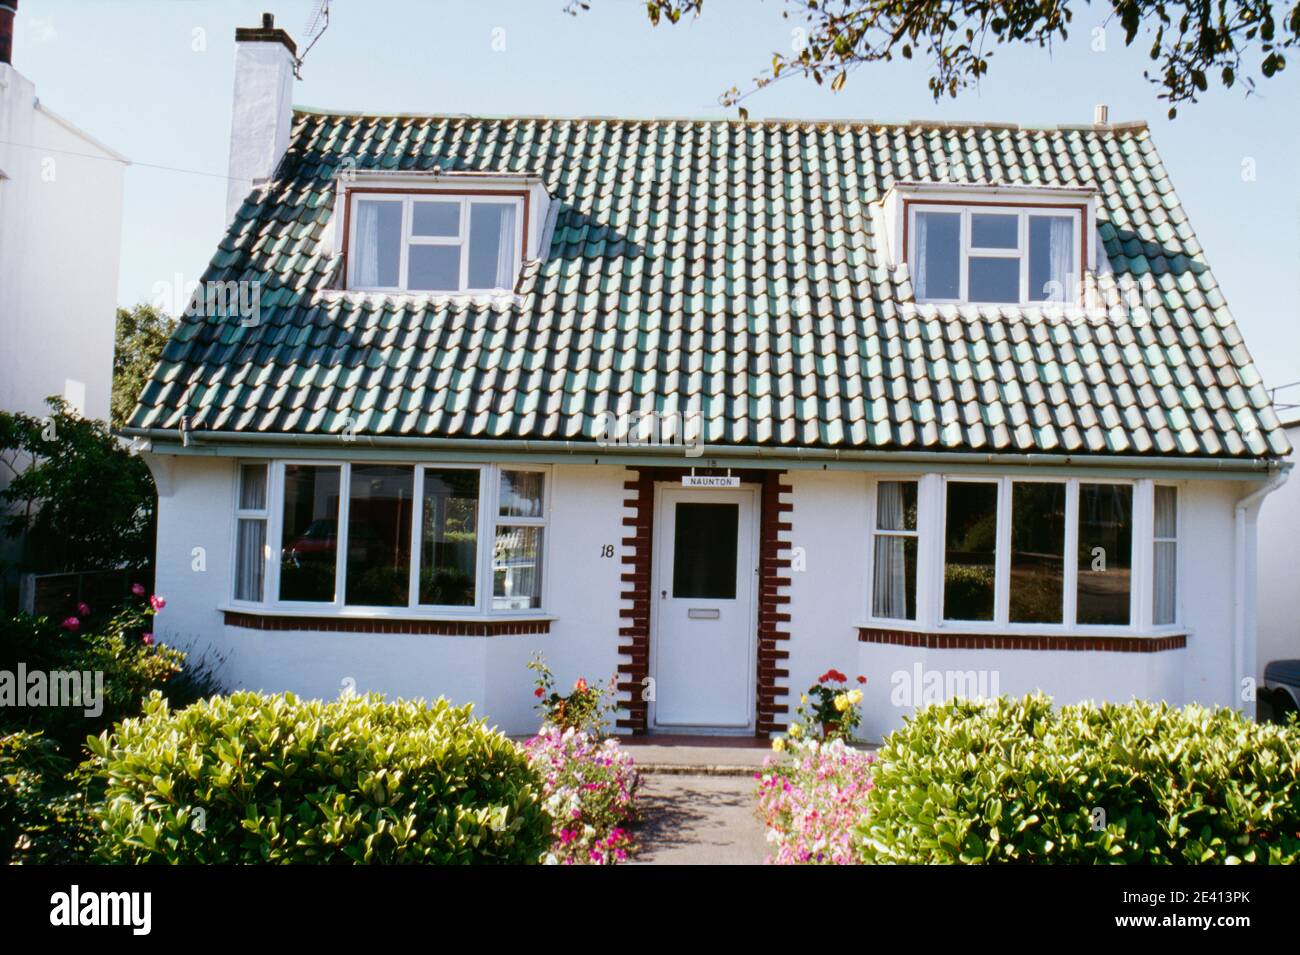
(995, 255)
(1034, 555)
(434, 241)
(405, 539)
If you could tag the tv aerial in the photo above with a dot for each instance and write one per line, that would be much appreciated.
(318, 22)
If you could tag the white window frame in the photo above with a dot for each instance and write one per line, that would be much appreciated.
(489, 486)
(1021, 252)
(461, 240)
(1176, 540)
(932, 523)
(877, 531)
(251, 514)
(500, 520)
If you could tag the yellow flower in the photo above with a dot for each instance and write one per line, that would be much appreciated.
(841, 702)
(855, 697)
(804, 699)
(778, 745)
(796, 730)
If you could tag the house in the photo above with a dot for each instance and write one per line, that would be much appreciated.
(1279, 556)
(60, 203)
(712, 406)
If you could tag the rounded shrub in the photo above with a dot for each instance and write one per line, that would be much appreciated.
(250, 778)
(1019, 781)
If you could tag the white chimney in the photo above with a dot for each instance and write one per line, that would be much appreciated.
(1100, 114)
(265, 57)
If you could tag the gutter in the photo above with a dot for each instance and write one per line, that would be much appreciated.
(708, 452)
(1239, 596)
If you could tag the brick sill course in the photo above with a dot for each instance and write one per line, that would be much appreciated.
(1020, 641)
(340, 624)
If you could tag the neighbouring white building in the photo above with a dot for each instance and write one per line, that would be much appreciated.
(60, 246)
(714, 406)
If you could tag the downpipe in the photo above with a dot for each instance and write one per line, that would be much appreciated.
(1240, 521)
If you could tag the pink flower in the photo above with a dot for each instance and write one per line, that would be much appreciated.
(147, 639)
(157, 602)
(581, 685)
(72, 625)
(137, 589)
(83, 609)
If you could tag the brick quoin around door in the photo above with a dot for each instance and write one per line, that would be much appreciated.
(773, 597)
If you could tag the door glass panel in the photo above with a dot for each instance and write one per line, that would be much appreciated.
(704, 551)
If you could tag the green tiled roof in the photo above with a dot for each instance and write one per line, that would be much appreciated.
(729, 267)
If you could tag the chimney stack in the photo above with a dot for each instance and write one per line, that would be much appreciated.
(1101, 115)
(8, 10)
(265, 64)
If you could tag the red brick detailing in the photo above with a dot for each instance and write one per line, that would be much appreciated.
(773, 605)
(634, 630)
(448, 628)
(999, 641)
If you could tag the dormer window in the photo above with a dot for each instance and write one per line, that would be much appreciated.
(432, 241)
(988, 254)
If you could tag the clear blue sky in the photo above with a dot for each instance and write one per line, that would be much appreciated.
(129, 73)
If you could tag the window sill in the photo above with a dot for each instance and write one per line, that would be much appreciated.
(353, 621)
(901, 633)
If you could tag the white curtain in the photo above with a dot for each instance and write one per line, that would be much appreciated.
(1166, 554)
(506, 248)
(367, 251)
(1060, 258)
(922, 253)
(889, 596)
(250, 560)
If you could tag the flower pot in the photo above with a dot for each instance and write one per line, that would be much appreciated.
(830, 728)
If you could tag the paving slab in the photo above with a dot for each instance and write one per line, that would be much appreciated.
(699, 820)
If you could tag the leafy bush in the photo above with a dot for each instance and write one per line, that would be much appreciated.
(119, 653)
(591, 795)
(809, 805)
(250, 778)
(1017, 781)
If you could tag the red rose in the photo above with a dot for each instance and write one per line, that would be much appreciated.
(861, 678)
(147, 639)
(538, 692)
(581, 685)
(157, 602)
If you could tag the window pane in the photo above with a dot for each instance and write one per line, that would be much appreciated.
(521, 493)
(433, 268)
(378, 242)
(379, 535)
(449, 537)
(517, 568)
(435, 218)
(704, 550)
(994, 231)
(938, 255)
(310, 534)
(1105, 552)
(492, 244)
(970, 551)
(252, 487)
(896, 505)
(1166, 555)
(894, 591)
(1037, 553)
(250, 559)
(1053, 270)
(994, 280)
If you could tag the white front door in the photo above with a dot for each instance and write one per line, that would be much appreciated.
(703, 612)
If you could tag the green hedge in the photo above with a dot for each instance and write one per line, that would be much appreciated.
(273, 779)
(1019, 781)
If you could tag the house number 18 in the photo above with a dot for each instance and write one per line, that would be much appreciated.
(607, 550)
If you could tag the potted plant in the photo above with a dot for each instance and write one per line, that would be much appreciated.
(583, 708)
(831, 706)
